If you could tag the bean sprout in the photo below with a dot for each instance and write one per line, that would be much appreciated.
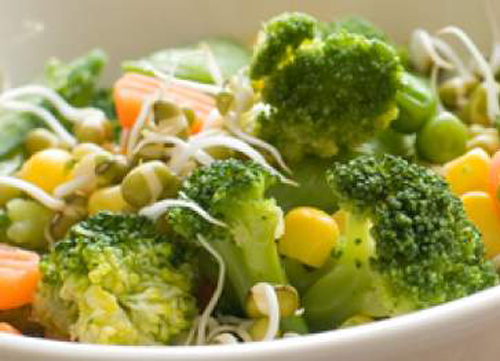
(266, 301)
(200, 340)
(490, 84)
(229, 142)
(69, 112)
(213, 67)
(45, 115)
(155, 210)
(135, 132)
(34, 191)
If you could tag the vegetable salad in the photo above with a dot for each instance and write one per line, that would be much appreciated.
(324, 177)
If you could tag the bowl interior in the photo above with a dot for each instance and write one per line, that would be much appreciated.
(33, 30)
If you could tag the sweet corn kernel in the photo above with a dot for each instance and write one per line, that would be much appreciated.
(469, 172)
(47, 168)
(310, 235)
(480, 209)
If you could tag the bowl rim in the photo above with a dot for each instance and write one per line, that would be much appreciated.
(400, 326)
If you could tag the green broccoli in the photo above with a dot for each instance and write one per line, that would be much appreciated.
(407, 245)
(325, 93)
(233, 191)
(115, 280)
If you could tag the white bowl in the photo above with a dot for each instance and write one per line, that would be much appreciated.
(467, 329)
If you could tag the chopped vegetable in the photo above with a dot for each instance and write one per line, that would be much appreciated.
(28, 222)
(443, 138)
(416, 103)
(405, 235)
(191, 62)
(468, 173)
(107, 199)
(53, 162)
(76, 81)
(298, 73)
(5, 327)
(19, 276)
(115, 280)
(310, 235)
(233, 191)
(132, 90)
(481, 210)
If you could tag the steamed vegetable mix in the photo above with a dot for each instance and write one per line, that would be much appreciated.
(325, 178)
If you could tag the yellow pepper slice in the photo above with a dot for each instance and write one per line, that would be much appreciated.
(480, 209)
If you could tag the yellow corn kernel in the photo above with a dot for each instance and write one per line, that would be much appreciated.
(480, 209)
(107, 199)
(469, 172)
(341, 218)
(310, 235)
(47, 168)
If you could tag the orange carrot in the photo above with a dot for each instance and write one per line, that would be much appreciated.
(132, 89)
(7, 328)
(19, 276)
(494, 179)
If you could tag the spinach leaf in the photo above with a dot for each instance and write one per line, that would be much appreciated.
(191, 64)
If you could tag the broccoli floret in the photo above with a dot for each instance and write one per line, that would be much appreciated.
(280, 37)
(407, 245)
(115, 280)
(233, 192)
(325, 93)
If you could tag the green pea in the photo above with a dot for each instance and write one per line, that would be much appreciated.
(258, 329)
(454, 92)
(150, 152)
(8, 193)
(475, 111)
(165, 110)
(149, 182)
(416, 102)
(110, 169)
(4, 226)
(28, 222)
(40, 139)
(442, 139)
(288, 299)
(94, 130)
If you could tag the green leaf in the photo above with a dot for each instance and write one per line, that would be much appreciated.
(13, 128)
(76, 81)
(191, 64)
(11, 163)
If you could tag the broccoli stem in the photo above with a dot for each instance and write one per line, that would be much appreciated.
(340, 293)
(238, 275)
(254, 255)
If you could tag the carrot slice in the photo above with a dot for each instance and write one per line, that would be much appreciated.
(7, 328)
(132, 89)
(19, 276)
